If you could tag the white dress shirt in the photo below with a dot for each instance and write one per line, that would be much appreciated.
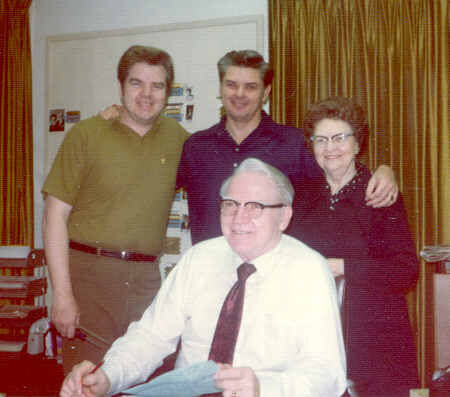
(290, 333)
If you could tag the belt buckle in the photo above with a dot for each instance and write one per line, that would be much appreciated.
(123, 255)
(98, 251)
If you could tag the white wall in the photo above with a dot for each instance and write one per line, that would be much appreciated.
(55, 17)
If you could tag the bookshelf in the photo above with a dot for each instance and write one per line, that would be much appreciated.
(23, 288)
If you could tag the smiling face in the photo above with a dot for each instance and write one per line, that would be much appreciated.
(143, 95)
(243, 94)
(251, 238)
(335, 158)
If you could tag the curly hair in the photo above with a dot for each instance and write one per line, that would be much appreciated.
(338, 108)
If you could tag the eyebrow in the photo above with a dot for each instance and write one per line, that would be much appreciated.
(134, 79)
(247, 83)
(252, 201)
(161, 83)
(335, 134)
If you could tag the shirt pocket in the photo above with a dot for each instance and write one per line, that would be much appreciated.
(273, 337)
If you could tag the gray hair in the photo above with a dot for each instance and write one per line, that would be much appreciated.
(246, 59)
(281, 181)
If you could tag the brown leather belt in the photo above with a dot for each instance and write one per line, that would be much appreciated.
(124, 255)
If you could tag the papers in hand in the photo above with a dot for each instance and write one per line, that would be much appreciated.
(191, 381)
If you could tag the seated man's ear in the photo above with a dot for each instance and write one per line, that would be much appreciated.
(285, 217)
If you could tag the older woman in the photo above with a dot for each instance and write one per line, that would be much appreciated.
(372, 247)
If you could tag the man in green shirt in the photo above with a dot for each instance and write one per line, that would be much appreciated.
(108, 197)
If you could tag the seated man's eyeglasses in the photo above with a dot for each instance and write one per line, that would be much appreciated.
(252, 209)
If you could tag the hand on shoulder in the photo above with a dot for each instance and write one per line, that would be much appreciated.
(111, 112)
(382, 190)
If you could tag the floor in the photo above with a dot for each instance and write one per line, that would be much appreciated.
(28, 375)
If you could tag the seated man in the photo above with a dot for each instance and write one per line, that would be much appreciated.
(288, 339)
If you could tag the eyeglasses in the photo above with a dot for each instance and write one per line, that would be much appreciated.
(252, 209)
(338, 139)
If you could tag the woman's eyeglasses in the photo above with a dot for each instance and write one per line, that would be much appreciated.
(337, 139)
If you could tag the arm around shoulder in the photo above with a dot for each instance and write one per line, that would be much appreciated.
(382, 190)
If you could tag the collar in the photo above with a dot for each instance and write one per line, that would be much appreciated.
(266, 125)
(123, 127)
(357, 184)
(265, 263)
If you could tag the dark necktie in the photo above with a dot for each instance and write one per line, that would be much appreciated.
(229, 322)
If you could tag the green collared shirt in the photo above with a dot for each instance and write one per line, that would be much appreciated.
(120, 184)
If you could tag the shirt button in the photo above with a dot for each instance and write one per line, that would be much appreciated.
(235, 165)
(236, 149)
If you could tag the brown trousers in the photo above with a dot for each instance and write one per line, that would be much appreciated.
(110, 293)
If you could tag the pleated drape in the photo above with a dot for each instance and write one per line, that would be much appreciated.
(392, 57)
(16, 133)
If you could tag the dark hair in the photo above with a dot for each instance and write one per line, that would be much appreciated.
(247, 59)
(149, 55)
(338, 108)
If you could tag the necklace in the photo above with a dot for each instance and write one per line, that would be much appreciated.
(343, 190)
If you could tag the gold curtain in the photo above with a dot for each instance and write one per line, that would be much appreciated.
(16, 133)
(392, 57)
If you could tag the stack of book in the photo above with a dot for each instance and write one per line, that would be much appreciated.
(15, 321)
(438, 254)
(178, 236)
(23, 285)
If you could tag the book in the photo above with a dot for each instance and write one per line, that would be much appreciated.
(190, 381)
(22, 286)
